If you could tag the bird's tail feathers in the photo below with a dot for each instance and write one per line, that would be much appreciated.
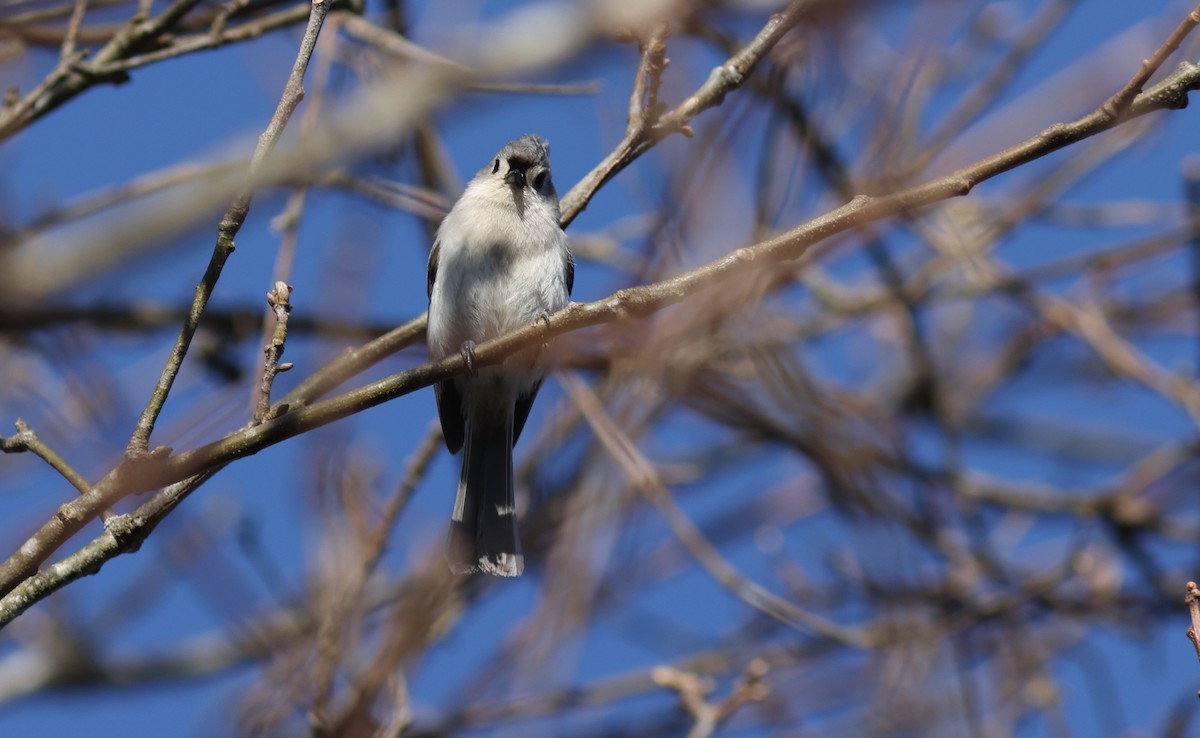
(483, 527)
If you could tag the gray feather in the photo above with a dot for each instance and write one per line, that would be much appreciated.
(483, 526)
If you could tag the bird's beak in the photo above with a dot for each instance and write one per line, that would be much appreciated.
(515, 177)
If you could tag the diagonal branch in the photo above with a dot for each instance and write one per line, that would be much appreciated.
(648, 125)
(646, 479)
(26, 440)
(1119, 104)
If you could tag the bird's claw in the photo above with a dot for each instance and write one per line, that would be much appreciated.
(467, 350)
(544, 319)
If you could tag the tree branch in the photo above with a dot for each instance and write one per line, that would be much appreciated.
(648, 124)
(279, 301)
(26, 440)
(1193, 606)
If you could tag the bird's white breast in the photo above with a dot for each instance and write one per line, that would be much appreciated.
(500, 267)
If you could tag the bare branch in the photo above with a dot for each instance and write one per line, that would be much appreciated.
(647, 126)
(26, 440)
(279, 301)
(1193, 605)
(69, 78)
(230, 224)
(1119, 104)
(693, 692)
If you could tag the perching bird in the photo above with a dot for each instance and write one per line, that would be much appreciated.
(499, 263)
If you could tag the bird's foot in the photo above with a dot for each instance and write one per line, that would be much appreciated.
(467, 350)
(544, 319)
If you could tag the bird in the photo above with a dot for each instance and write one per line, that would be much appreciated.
(500, 261)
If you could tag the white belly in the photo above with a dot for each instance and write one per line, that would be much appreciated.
(481, 294)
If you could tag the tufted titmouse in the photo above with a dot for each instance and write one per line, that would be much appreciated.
(499, 262)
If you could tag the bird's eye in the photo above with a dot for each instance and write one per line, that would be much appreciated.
(495, 166)
(539, 180)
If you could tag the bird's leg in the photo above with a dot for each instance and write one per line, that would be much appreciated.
(535, 354)
(467, 350)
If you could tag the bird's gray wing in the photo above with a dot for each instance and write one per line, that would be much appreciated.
(449, 399)
(431, 269)
(570, 268)
(449, 403)
(521, 410)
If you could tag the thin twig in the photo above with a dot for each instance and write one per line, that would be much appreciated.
(288, 222)
(644, 105)
(68, 79)
(330, 637)
(215, 38)
(693, 693)
(72, 76)
(230, 224)
(1193, 605)
(1120, 103)
(279, 301)
(645, 128)
(68, 45)
(68, 521)
(648, 482)
(26, 440)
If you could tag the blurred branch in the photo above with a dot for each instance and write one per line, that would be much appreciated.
(333, 631)
(643, 476)
(693, 692)
(1049, 16)
(236, 323)
(397, 46)
(746, 267)
(50, 12)
(68, 45)
(399, 195)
